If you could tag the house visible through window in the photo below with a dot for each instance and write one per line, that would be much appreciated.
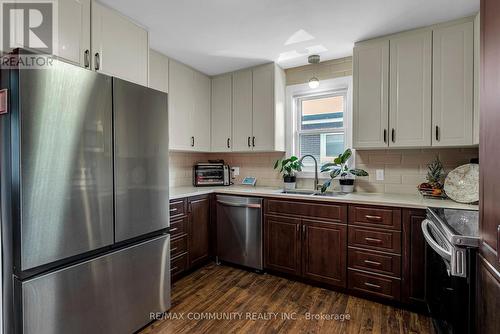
(321, 126)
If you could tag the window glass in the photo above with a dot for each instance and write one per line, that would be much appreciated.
(322, 113)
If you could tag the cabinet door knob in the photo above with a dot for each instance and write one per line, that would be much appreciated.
(97, 59)
(86, 58)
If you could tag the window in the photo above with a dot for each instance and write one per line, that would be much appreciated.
(320, 126)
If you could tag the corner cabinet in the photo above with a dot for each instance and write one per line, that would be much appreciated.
(188, 108)
(119, 47)
(417, 88)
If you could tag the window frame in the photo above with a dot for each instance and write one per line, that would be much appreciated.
(297, 130)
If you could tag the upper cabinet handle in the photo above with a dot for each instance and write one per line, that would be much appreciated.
(253, 141)
(192, 141)
(437, 132)
(86, 58)
(248, 141)
(97, 61)
(385, 136)
(393, 134)
(229, 143)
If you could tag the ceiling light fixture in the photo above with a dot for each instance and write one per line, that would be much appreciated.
(313, 60)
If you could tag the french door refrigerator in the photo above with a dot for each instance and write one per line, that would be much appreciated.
(84, 202)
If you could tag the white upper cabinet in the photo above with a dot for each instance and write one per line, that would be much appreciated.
(74, 31)
(410, 89)
(242, 111)
(180, 106)
(188, 108)
(371, 94)
(119, 46)
(453, 85)
(418, 88)
(221, 113)
(158, 71)
(477, 71)
(200, 117)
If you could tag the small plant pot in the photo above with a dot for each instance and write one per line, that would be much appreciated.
(346, 185)
(290, 182)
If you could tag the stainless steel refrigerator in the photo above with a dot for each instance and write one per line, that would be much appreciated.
(84, 202)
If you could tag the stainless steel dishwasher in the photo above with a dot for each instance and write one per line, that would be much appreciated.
(239, 230)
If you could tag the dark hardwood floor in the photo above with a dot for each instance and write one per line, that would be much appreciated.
(214, 290)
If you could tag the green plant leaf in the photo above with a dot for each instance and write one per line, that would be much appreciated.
(338, 160)
(328, 166)
(358, 172)
(326, 185)
(276, 163)
(335, 173)
(347, 155)
(293, 158)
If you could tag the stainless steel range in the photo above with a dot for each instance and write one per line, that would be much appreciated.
(452, 239)
(84, 202)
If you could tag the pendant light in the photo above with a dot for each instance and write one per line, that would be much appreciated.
(313, 82)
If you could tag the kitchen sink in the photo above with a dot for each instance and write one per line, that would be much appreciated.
(307, 192)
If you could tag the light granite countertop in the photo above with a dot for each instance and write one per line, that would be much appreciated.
(397, 200)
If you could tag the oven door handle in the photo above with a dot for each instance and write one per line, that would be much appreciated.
(426, 224)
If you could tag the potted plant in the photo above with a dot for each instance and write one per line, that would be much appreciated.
(339, 167)
(288, 167)
(435, 180)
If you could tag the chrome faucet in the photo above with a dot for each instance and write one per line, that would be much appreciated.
(316, 179)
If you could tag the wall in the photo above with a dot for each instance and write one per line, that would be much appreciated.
(325, 70)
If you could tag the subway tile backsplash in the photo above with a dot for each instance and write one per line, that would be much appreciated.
(403, 169)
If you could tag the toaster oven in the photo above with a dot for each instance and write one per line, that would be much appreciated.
(211, 174)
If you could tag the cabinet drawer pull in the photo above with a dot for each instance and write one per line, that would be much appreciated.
(173, 249)
(97, 59)
(86, 58)
(373, 218)
(371, 285)
(173, 229)
(173, 209)
(373, 240)
(374, 263)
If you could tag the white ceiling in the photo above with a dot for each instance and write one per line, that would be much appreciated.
(217, 36)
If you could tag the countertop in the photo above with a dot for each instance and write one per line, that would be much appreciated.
(397, 200)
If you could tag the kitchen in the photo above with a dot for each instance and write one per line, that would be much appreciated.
(241, 167)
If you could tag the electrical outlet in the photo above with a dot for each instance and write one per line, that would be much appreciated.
(236, 171)
(380, 175)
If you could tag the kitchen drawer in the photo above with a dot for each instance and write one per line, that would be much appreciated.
(386, 241)
(388, 264)
(178, 246)
(387, 218)
(178, 226)
(335, 212)
(375, 285)
(178, 265)
(177, 208)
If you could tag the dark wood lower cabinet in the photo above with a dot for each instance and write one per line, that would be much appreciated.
(282, 244)
(488, 301)
(199, 230)
(324, 253)
(413, 288)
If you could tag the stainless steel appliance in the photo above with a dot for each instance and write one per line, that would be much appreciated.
(211, 174)
(452, 239)
(239, 230)
(84, 202)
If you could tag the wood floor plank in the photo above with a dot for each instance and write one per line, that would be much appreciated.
(224, 291)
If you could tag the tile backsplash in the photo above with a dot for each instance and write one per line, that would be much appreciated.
(403, 169)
